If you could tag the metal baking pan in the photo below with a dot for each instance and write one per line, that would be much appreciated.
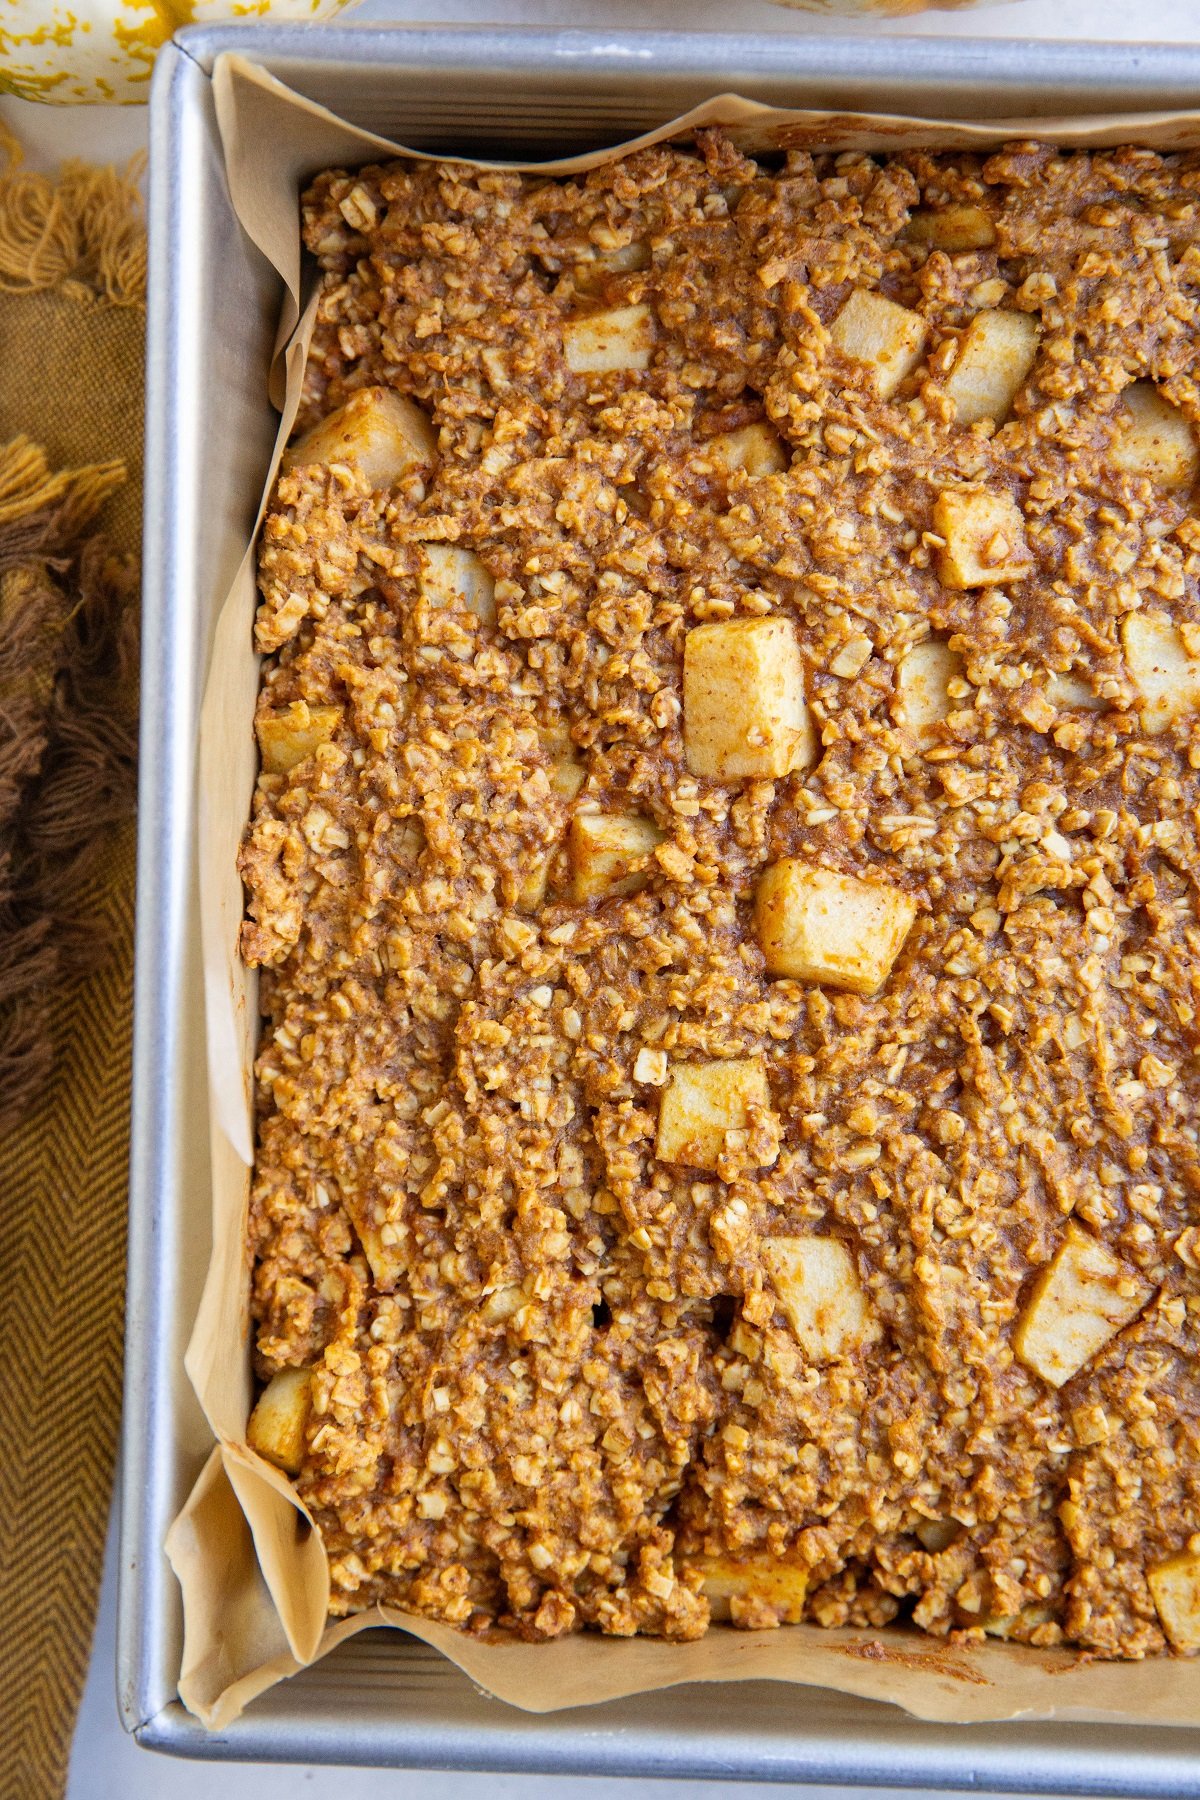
(383, 1698)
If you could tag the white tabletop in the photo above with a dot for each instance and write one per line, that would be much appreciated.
(106, 1765)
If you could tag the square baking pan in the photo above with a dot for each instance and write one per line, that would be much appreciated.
(384, 1698)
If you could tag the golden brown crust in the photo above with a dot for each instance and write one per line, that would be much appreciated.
(551, 1373)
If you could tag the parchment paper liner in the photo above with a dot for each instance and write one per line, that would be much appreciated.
(252, 1568)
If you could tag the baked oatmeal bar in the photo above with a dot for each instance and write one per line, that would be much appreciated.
(724, 872)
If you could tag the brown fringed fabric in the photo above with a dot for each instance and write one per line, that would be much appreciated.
(72, 282)
(67, 719)
(66, 750)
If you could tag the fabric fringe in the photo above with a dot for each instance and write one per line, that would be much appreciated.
(67, 743)
(48, 504)
(80, 232)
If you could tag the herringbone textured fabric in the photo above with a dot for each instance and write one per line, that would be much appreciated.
(71, 378)
(62, 1204)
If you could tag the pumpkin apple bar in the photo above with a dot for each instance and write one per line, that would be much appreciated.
(723, 871)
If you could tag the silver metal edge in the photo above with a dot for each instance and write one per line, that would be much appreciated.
(1059, 1759)
(1066, 70)
(147, 1592)
(889, 1749)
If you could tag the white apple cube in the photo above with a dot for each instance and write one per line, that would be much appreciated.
(531, 894)
(923, 678)
(1154, 438)
(984, 536)
(1008, 1625)
(889, 339)
(997, 351)
(591, 275)
(598, 343)
(502, 1304)
(815, 924)
(817, 1284)
(937, 1535)
(768, 1579)
(379, 433)
(744, 710)
(277, 1424)
(1082, 1298)
(567, 775)
(450, 576)
(702, 1102)
(1162, 669)
(1175, 1590)
(384, 1251)
(287, 738)
(1073, 693)
(754, 448)
(610, 853)
(956, 226)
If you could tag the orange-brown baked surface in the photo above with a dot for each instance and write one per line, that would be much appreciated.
(724, 872)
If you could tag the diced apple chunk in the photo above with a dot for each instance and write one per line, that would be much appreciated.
(1082, 1298)
(770, 1580)
(890, 339)
(1154, 438)
(384, 1251)
(937, 1535)
(591, 275)
(379, 433)
(1017, 1625)
(985, 538)
(995, 356)
(841, 930)
(819, 1290)
(702, 1102)
(957, 226)
(450, 576)
(611, 853)
(567, 775)
(744, 711)
(851, 657)
(502, 1304)
(276, 1428)
(754, 448)
(1175, 1590)
(1163, 670)
(923, 678)
(534, 882)
(1073, 691)
(286, 738)
(597, 343)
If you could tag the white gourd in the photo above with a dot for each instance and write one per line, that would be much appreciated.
(71, 51)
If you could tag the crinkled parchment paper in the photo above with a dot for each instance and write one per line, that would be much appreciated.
(253, 1570)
